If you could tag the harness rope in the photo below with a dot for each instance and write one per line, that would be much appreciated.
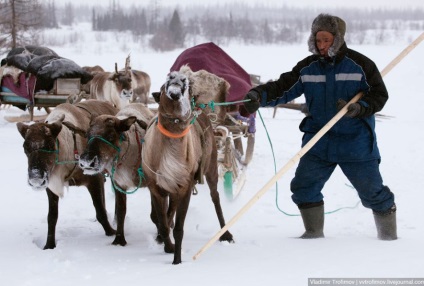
(56, 151)
(115, 162)
(195, 114)
(212, 105)
(276, 184)
(56, 160)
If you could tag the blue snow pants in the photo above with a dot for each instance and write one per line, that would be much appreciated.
(312, 173)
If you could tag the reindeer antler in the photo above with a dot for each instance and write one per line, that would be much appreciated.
(127, 63)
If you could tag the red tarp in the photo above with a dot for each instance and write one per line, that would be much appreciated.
(23, 88)
(213, 59)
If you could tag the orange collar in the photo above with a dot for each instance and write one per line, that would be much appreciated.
(170, 134)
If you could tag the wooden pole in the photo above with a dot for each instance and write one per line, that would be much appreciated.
(400, 57)
(304, 150)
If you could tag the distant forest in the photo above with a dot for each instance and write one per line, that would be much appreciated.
(171, 28)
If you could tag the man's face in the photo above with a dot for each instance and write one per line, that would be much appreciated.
(324, 40)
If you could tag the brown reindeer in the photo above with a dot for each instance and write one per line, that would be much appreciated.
(141, 86)
(207, 87)
(114, 147)
(179, 150)
(93, 70)
(121, 87)
(51, 148)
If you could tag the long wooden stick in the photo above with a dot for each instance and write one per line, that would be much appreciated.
(400, 57)
(304, 150)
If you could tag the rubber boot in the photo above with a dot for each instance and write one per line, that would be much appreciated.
(313, 220)
(386, 224)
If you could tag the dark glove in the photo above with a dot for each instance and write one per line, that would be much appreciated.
(353, 110)
(253, 105)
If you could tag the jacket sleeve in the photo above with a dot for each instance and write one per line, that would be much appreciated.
(376, 95)
(275, 92)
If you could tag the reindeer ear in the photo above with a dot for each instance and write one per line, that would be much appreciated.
(142, 124)
(156, 96)
(55, 127)
(22, 128)
(125, 124)
(113, 76)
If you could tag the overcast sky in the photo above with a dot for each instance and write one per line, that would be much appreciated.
(297, 3)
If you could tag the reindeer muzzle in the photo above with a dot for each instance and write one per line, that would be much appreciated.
(89, 167)
(37, 179)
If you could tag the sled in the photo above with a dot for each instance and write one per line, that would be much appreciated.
(36, 77)
(235, 137)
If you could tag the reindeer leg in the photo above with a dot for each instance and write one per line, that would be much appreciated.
(170, 216)
(173, 203)
(160, 206)
(97, 191)
(178, 232)
(155, 220)
(52, 219)
(212, 180)
(121, 211)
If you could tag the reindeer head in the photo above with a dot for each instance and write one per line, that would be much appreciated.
(40, 148)
(104, 138)
(123, 80)
(174, 99)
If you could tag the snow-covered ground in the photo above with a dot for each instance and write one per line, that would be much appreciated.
(266, 249)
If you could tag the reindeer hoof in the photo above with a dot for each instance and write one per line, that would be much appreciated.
(119, 240)
(227, 236)
(159, 239)
(110, 232)
(50, 243)
(49, 246)
(169, 248)
(177, 261)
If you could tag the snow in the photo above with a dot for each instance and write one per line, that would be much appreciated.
(266, 248)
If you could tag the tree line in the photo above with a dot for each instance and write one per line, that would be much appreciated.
(248, 25)
(171, 28)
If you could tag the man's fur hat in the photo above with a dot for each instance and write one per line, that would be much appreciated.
(329, 23)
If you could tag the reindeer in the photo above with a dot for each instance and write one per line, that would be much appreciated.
(179, 150)
(114, 147)
(93, 70)
(207, 87)
(50, 147)
(121, 87)
(141, 86)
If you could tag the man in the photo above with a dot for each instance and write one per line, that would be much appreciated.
(329, 78)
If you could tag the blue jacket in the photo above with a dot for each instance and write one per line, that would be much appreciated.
(323, 82)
